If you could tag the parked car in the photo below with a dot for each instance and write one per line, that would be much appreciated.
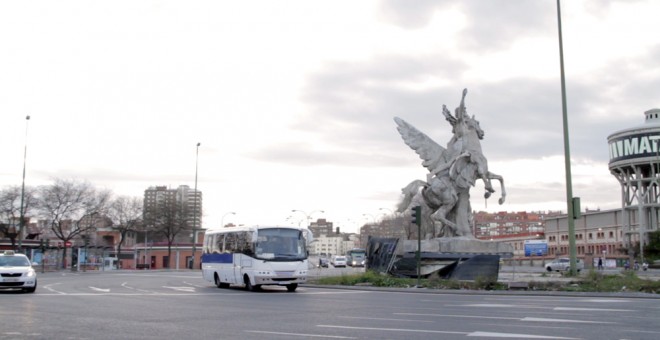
(16, 272)
(563, 264)
(339, 261)
(323, 262)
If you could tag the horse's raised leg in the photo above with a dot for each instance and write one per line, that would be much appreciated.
(501, 179)
(440, 216)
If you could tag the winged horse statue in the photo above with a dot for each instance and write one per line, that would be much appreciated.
(444, 196)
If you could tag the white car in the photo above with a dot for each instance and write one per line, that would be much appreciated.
(16, 272)
(563, 264)
(339, 261)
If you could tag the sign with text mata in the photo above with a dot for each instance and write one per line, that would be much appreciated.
(536, 248)
(634, 146)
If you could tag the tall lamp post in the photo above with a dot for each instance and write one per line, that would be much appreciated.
(308, 216)
(194, 235)
(21, 223)
(222, 220)
(572, 203)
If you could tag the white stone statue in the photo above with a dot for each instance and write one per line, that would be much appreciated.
(445, 196)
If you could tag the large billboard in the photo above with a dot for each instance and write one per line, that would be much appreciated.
(536, 247)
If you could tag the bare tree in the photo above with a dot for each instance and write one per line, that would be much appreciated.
(169, 219)
(10, 210)
(72, 208)
(126, 215)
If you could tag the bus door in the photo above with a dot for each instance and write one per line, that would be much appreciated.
(242, 264)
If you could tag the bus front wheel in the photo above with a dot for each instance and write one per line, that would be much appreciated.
(249, 286)
(292, 287)
(219, 283)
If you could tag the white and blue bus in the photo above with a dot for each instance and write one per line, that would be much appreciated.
(256, 256)
(356, 257)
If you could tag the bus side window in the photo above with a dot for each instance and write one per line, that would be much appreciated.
(209, 244)
(206, 247)
(230, 243)
(244, 244)
(219, 243)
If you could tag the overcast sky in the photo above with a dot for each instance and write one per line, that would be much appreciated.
(293, 101)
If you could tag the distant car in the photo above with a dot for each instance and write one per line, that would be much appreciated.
(339, 261)
(323, 262)
(563, 264)
(16, 272)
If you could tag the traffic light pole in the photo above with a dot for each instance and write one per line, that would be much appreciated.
(417, 219)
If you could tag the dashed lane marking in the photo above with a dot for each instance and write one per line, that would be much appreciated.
(315, 336)
(182, 289)
(561, 320)
(515, 336)
(102, 290)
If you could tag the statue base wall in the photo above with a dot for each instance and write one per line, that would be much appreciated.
(458, 245)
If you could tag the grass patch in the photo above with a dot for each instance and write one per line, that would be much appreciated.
(593, 281)
(371, 278)
(626, 281)
(368, 278)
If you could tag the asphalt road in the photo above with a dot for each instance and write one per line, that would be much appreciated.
(180, 305)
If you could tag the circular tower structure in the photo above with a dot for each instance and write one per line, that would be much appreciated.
(635, 162)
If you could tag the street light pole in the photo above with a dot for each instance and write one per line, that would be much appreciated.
(222, 220)
(21, 223)
(308, 216)
(570, 200)
(194, 235)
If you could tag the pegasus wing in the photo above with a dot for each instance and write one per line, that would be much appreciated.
(431, 153)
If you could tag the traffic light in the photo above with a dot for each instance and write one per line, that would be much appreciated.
(417, 215)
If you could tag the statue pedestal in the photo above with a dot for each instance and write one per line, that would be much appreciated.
(459, 245)
(459, 258)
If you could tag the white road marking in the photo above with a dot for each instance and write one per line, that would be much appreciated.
(316, 336)
(473, 334)
(498, 305)
(640, 331)
(50, 288)
(125, 285)
(560, 320)
(514, 335)
(332, 293)
(593, 309)
(194, 285)
(459, 316)
(606, 300)
(394, 329)
(104, 290)
(383, 319)
(182, 289)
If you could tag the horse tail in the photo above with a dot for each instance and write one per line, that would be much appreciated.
(409, 192)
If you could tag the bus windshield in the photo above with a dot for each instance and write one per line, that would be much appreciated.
(280, 244)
